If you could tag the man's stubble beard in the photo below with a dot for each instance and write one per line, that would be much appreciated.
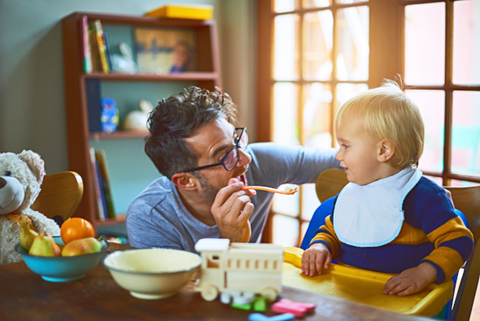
(209, 190)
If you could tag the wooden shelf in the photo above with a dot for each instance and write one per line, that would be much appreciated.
(186, 76)
(77, 109)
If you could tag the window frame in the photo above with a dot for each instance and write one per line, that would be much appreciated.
(386, 60)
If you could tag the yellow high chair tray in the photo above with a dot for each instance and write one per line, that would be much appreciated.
(363, 286)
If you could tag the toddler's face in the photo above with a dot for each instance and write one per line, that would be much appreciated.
(358, 153)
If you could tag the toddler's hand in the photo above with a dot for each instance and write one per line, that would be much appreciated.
(315, 259)
(411, 281)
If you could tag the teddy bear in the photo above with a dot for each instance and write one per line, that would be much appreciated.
(21, 176)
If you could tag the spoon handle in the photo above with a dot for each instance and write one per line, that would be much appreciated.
(268, 189)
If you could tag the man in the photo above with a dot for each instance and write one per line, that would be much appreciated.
(206, 161)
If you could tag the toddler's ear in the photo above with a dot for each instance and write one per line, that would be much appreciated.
(386, 152)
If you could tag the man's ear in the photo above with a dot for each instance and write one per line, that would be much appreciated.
(386, 151)
(185, 181)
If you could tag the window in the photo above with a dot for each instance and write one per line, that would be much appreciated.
(313, 55)
(441, 40)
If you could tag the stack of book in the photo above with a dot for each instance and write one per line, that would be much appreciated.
(102, 186)
(96, 47)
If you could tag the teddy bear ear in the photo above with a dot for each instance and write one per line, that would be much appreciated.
(35, 163)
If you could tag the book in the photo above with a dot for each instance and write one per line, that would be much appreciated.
(108, 51)
(101, 158)
(94, 105)
(101, 212)
(94, 52)
(102, 49)
(87, 50)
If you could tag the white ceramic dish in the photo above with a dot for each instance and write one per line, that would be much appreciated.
(151, 273)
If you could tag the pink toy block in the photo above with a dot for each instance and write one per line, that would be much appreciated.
(298, 309)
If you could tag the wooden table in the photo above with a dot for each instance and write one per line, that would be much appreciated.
(24, 295)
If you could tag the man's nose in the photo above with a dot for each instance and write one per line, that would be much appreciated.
(244, 157)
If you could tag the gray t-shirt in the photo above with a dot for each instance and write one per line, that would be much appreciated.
(158, 218)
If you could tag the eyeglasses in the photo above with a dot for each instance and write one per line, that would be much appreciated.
(232, 157)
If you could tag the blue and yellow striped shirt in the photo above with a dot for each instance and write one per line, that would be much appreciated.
(432, 232)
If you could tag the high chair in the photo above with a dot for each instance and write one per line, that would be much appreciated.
(60, 195)
(466, 199)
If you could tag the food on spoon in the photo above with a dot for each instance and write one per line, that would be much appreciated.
(289, 188)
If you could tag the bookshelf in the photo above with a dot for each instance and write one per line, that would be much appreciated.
(122, 144)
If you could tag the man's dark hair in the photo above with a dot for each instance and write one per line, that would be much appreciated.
(178, 117)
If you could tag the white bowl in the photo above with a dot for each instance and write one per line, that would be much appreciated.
(151, 273)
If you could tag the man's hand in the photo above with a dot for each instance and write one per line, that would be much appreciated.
(316, 258)
(412, 280)
(231, 210)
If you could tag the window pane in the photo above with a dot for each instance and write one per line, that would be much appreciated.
(353, 47)
(287, 204)
(350, 1)
(466, 42)
(463, 183)
(432, 106)
(310, 201)
(318, 40)
(424, 44)
(286, 47)
(316, 115)
(285, 5)
(466, 133)
(285, 231)
(285, 118)
(317, 3)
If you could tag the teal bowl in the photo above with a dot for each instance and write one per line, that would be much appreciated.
(62, 269)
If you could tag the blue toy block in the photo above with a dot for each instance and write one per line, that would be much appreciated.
(280, 317)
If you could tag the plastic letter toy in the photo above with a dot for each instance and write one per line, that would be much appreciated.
(261, 317)
(298, 309)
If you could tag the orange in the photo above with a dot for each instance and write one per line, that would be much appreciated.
(76, 228)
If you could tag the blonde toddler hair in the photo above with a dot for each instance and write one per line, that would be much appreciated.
(388, 114)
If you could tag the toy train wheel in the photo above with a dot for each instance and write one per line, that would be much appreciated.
(269, 293)
(209, 292)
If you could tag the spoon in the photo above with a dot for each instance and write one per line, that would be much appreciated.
(287, 189)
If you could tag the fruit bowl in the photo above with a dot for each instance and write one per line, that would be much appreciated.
(61, 269)
(151, 273)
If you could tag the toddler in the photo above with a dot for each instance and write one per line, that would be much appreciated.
(388, 218)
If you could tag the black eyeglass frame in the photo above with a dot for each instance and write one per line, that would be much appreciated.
(244, 130)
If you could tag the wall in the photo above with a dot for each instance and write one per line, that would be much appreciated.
(32, 107)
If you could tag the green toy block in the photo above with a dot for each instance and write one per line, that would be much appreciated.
(246, 307)
(260, 304)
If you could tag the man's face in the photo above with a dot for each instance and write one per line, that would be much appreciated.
(212, 142)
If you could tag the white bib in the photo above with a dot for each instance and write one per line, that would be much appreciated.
(371, 215)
